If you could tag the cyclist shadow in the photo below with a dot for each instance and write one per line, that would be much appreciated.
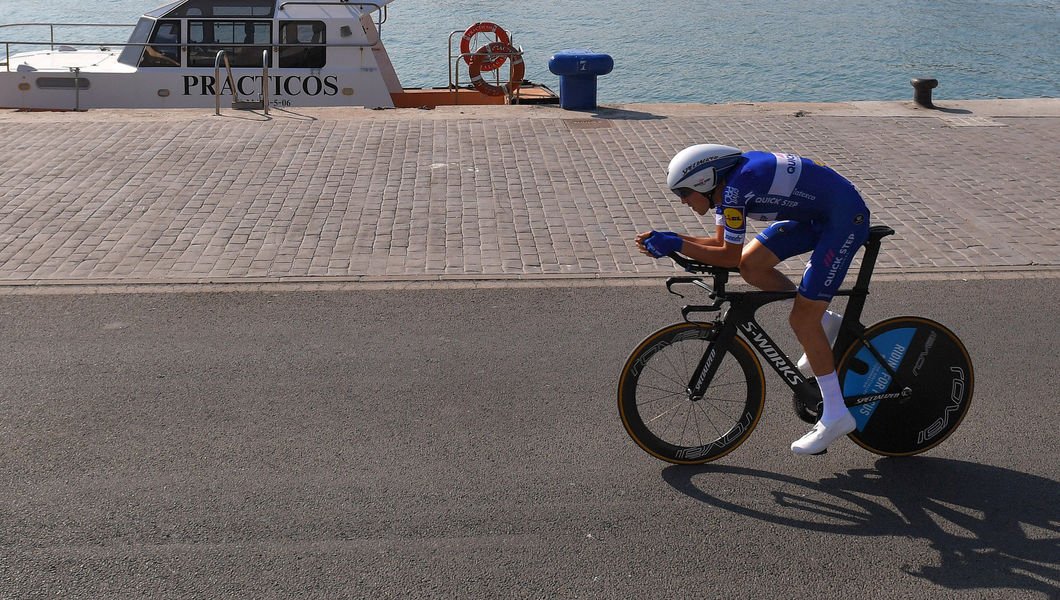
(992, 527)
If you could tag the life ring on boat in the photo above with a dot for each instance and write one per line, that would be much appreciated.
(515, 79)
(484, 27)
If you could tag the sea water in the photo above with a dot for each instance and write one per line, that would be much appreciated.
(712, 51)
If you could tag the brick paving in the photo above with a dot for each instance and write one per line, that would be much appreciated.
(353, 195)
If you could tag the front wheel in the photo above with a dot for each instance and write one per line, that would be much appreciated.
(932, 386)
(659, 412)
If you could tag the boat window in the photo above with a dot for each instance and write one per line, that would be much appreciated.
(300, 56)
(242, 41)
(224, 8)
(167, 51)
(141, 33)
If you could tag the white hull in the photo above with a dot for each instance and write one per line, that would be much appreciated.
(109, 87)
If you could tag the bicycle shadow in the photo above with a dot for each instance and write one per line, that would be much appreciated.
(992, 527)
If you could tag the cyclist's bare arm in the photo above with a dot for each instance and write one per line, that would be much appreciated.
(717, 240)
(713, 251)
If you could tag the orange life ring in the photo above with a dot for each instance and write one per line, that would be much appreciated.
(484, 27)
(517, 69)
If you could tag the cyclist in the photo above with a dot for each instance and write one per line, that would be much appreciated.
(812, 209)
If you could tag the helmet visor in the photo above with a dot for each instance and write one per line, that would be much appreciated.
(683, 192)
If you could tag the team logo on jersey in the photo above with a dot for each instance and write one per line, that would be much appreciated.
(786, 175)
(733, 218)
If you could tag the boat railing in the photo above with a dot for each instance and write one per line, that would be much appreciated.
(51, 30)
(104, 46)
(465, 57)
(51, 37)
(381, 9)
(51, 42)
(221, 56)
(264, 80)
(6, 63)
(454, 65)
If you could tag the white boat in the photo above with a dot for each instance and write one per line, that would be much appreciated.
(253, 53)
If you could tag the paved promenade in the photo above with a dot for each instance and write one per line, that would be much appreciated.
(465, 194)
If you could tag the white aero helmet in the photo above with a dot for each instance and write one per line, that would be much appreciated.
(699, 167)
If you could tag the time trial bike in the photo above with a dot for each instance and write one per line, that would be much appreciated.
(692, 392)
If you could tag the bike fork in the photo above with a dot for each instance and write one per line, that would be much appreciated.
(721, 335)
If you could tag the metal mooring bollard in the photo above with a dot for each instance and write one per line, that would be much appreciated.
(922, 93)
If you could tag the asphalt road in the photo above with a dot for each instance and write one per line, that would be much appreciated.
(465, 443)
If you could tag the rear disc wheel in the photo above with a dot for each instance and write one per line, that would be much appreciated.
(932, 370)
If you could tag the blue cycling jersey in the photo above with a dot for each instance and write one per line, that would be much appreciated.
(773, 187)
(814, 209)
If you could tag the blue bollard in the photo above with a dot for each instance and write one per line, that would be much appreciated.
(578, 70)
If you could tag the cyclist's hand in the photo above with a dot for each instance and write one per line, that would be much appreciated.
(639, 240)
(661, 243)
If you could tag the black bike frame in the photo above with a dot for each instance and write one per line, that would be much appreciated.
(740, 319)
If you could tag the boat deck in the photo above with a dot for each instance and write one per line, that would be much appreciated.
(61, 61)
(528, 93)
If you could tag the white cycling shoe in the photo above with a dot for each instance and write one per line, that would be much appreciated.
(831, 322)
(823, 434)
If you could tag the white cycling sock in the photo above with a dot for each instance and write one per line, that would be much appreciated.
(831, 321)
(832, 396)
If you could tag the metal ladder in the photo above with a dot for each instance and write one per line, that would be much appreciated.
(262, 103)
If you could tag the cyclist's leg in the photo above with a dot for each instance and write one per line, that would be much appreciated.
(835, 420)
(758, 268)
(805, 320)
(778, 242)
(828, 265)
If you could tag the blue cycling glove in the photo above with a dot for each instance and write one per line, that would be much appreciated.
(661, 243)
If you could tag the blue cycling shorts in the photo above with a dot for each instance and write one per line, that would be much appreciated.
(833, 243)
